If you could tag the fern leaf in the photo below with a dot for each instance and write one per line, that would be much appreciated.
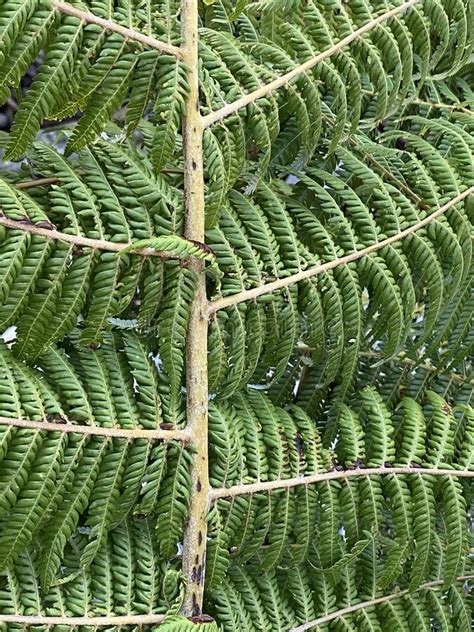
(63, 524)
(172, 323)
(103, 103)
(104, 499)
(45, 91)
(172, 504)
(142, 87)
(172, 88)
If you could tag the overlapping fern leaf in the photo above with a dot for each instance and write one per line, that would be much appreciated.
(126, 576)
(363, 196)
(338, 261)
(259, 442)
(356, 87)
(58, 483)
(87, 69)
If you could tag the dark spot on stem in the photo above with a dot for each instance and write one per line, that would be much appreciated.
(196, 608)
(45, 224)
(203, 618)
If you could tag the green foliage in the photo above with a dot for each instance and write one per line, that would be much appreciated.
(334, 268)
(344, 311)
(54, 482)
(83, 69)
(177, 247)
(171, 87)
(48, 283)
(181, 624)
(126, 576)
(256, 441)
(277, 598)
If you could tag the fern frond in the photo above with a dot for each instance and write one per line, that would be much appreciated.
(112, 584)
(99, 477)
(236, 382)
(97, 66)
(71, 271)
(172, 323)
(389, 267)
(387, 611)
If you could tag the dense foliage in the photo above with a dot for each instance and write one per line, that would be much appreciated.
(337, 147)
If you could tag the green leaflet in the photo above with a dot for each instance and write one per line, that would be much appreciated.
(16, 61)
(455, 511)
(423, 506)
(46, 87)
(173, 501)
(64, 522)
(104, 103)
(171, 87)
(335, 570)
(172, 324)
(218, 158)
(142, 87)
(176, 247)
(181, 624)
(103, 499)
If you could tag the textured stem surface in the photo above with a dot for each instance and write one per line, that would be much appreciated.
(78, 240)
(39, 182)
(109, 25)
(451, 375)
(247, 99)
(373, 602)
(266, 486)
(127, 433)
(443, 106)
(194, 551)
(268, 288)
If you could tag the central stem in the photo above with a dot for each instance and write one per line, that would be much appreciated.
(194, 555)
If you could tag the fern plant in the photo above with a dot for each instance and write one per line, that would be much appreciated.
(236, 302)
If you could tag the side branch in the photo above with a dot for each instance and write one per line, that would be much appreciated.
(443, 106)
(373, 602)
(126, 433)
(452, 376)
(78, 240)
(267, 486)
(39, 182)
(109, 25)
(268, 288)
(247, 99)
(400, 359)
